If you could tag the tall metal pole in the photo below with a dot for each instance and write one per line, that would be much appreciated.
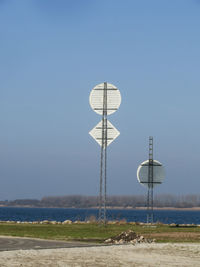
(150, 183)
(101, 176)
(105, 148)
(103, 166)
(104, 133)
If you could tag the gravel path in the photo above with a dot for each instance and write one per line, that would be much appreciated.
(181, 254)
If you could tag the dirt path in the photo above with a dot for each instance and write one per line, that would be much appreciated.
(123, 255)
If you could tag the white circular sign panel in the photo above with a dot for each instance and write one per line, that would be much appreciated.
(158, 173)
(113, 98)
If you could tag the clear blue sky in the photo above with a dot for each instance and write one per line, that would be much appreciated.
(52, 53)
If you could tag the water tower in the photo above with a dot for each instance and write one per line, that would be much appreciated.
(150, 173)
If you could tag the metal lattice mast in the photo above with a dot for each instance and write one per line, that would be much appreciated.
(103, 167)
(150, 183)
(150, 173)
(104, 99)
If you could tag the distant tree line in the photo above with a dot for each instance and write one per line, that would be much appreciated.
(79, 201)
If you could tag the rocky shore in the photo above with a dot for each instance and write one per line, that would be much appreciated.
(95, 222)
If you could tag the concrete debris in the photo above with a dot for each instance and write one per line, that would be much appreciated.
(128, 237)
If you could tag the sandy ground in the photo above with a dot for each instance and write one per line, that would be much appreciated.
(181, 254)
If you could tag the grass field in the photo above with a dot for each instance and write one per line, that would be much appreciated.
(93, 232)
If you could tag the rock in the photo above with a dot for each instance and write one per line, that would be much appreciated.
(111, 222)
(67, 222)
(108, 240)
(45, 222)
(53, 222)
(141, 238)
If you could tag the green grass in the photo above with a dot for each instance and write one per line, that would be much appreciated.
(93, 232)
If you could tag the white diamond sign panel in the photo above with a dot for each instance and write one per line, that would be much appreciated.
(112, 133)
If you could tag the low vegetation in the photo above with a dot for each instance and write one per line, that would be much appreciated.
(92, 232)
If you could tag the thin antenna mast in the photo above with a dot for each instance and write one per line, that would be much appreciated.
(105, 99)
(150, 183)
(150, 173)
(103, 167)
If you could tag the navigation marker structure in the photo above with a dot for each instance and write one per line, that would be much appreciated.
(104, 99)
(150, 173)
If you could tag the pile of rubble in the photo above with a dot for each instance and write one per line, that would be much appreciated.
(128, 237)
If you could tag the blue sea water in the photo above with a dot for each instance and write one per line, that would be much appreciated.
(62, 214)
